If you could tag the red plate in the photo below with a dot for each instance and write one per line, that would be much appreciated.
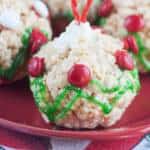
(18, 112)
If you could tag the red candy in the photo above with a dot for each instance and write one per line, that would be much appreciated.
(124, 60)
(37, 39)
(36, 66)
(125, 43)
(134, 23)
(132, 44)
(105, 8)
(79, 75)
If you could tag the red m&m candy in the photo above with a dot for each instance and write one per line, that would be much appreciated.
(124, 60)
(36, 66)
(37, 39)
(132, 44)
(134, 23)
(79, 75)
(125, 43)
(105, 8)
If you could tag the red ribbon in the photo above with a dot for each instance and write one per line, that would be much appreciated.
(83, 16)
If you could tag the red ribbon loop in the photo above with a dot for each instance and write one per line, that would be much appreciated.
(83, 16)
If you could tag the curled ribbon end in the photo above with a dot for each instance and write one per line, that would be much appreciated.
(83, 16)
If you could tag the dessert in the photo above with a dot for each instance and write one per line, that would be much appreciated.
(24, 28)
(84, 78)
(130, 21)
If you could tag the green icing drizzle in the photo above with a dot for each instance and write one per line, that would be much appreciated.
(55, 111)
(18, 61)
(20, 57)
(104, 89)
(39, 88)
(68, 15)
(143, 52)
(68, 106)
(25, 37)
(100, 21)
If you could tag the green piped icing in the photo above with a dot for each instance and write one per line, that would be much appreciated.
(68, 15)
(143, 52)
(26, 37)
(20, 57)
(54, 110)
(100, 21)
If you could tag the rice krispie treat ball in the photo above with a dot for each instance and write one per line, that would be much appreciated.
(62, 15)
(130, 21)
(24, 28)
(83, 78)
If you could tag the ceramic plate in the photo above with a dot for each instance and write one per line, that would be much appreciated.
(18, 112)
